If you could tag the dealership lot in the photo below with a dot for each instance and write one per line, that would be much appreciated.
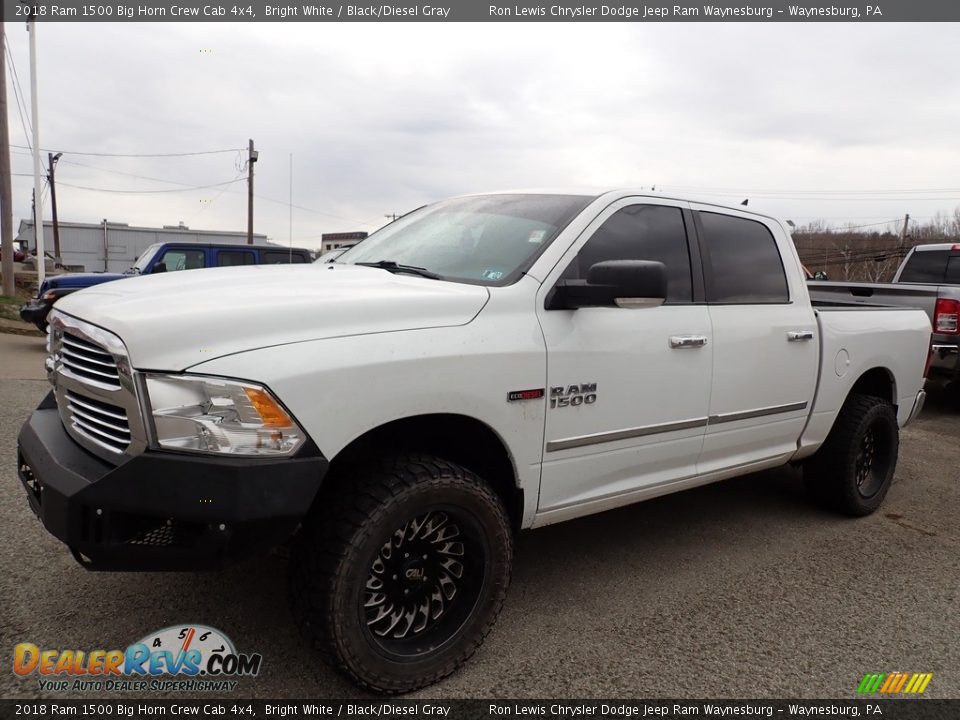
(739, 589)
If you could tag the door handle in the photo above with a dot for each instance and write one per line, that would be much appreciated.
(687, 341)
(798, 335)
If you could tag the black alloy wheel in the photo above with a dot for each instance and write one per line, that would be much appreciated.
(424, 582)
(853, 469)
(401, 571)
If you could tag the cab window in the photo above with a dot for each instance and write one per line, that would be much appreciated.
(180, 259)
(281, 257)
(925, 266)
(229, 258)
(742, 263)
(641, 232)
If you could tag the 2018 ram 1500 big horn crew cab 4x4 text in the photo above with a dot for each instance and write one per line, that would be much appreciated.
(482, 365)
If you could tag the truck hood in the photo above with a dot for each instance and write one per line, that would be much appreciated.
(175, 320)
(79, 280)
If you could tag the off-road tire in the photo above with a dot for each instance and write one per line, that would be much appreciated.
(359, 517)
(853, 470)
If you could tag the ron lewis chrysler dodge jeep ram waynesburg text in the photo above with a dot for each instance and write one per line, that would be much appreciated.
(482, 365)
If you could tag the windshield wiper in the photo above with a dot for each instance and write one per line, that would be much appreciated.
(394, 266)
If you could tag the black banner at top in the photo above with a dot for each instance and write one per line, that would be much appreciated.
(483, 11)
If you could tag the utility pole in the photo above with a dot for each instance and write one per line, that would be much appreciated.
(392, 217)
(251, 159)
(52, 159)
(291, 202)
(903, 236)
(38, 208)
(6, 194)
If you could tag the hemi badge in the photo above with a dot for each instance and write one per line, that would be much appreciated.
(515, 395)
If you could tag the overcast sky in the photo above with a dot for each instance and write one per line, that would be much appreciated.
(382, 118)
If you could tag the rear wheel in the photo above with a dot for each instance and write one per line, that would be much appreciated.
(398, 581)
(853, 470)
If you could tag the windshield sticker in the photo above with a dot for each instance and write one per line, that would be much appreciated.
(492, 274)
(536, 236)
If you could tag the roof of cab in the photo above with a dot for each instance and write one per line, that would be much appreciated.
(597, 193)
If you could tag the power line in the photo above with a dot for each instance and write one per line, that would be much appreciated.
(148, 192)
(883, 222)
(128, 174)
(215, 198)
(135, 155)
(843, 228)
(17, 94)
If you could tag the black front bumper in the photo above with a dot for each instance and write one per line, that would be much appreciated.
(160, 511)
(36, 312)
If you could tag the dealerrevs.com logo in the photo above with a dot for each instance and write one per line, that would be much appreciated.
(188, 658)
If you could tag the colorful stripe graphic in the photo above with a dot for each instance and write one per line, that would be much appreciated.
(896, 682)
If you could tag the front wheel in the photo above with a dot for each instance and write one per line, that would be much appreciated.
(853, 470)
(400, 578)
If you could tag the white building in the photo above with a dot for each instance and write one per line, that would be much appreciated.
(336, 241)
(113, 246)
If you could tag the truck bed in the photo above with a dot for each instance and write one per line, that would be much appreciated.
(890, 295)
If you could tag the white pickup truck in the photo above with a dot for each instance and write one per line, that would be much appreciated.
(483, 365)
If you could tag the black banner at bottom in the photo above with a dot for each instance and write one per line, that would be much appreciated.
(461, 709)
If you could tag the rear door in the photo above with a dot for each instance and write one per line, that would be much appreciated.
(766, 344)
(628, 387)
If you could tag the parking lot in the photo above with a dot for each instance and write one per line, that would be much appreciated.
(738, 589)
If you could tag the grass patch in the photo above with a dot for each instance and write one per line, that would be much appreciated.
(10, 306)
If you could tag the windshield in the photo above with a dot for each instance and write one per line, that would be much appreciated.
(144, 259)
(485, 239)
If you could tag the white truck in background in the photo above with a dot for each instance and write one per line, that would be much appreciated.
(483, 365)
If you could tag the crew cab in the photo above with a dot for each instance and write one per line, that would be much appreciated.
(157, 258)
(928, 278)
(483, 365)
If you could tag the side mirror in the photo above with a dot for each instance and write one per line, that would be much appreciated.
(820, 275)
(160, 267)
(622, 283)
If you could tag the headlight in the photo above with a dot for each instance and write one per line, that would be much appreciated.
(205, 414)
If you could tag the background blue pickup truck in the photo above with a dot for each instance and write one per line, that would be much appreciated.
(160, 257)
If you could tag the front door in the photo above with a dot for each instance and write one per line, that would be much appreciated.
(629, 387)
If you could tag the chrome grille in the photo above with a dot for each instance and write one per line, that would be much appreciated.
(102, 422)
(88, 360)
(95, 388)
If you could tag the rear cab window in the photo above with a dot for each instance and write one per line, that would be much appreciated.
(742, 263)
(927, 267)
(953, 270)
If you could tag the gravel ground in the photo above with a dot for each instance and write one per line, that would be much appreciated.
(739, 589)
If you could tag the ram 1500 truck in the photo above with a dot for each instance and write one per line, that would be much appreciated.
(157, 258)
(480, 366)
(928, 278)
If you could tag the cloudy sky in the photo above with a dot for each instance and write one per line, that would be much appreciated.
(849, 123)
